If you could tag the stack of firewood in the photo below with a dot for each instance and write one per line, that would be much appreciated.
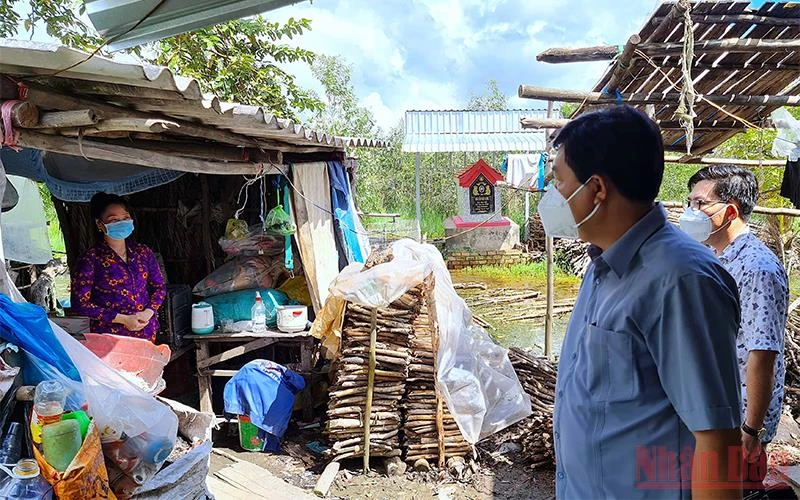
(536, 234)
(349, 391)
(420, 404)
(534, 434)
(572, 256)
(791, 352)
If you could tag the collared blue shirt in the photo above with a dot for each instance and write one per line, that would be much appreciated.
(649, 357)
(764, 292)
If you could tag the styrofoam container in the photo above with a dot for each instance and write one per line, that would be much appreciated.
(292, 319)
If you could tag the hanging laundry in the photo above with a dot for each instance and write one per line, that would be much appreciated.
(504, 165)
(265, 392)
(790, 187)
(523, 170)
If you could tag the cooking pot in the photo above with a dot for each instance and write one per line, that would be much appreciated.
(292, 319)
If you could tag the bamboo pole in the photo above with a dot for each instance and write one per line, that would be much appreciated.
(623, 62)
(370, 387)
(661, 30)
(578, 96)
(548, 322)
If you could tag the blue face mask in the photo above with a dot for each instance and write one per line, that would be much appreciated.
(119, 230)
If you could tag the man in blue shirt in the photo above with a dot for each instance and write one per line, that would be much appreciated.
(647, 397)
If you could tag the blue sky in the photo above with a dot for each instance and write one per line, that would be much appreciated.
(433, 54)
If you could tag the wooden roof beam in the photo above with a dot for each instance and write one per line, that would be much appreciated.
(711, 125)
(670, 63)
(731, 45)
(737, 18)
(550, 94)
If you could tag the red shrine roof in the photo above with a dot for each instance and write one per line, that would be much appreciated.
(468, 175)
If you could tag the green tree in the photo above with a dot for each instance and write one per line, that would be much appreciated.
(341, 115)
(492, 99)
(60, 19)
(239, 61)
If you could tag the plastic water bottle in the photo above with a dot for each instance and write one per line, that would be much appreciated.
(26, 482)
(48, 405)
(258, 314)
(11, 447)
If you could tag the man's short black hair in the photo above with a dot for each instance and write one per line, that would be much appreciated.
(731, 183)
(621, 144)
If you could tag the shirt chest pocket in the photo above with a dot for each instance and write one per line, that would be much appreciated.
(609, 366)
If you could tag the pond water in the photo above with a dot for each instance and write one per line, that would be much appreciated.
(525, 334)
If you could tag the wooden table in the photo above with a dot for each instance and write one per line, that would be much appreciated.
(252, 341)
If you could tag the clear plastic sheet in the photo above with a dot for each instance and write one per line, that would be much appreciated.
(475, 376)
(25, 236)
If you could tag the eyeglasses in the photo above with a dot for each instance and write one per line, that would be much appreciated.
(699, 204)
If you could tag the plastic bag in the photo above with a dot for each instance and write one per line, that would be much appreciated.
(25, 236)
(86, 476)
(279, 222)
(787, 143)
(475, 376)
(121, 411)
(255, 242)
(242, 273)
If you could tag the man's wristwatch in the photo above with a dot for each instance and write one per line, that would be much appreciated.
(752, 432)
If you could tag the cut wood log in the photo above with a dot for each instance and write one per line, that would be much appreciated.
(24, 114)
(584, 54)
(63, 119)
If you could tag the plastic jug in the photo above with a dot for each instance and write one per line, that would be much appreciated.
(25, 481)
(259, 315)
(202, 318)
(61, 442)
(82, 418)
(48, 405)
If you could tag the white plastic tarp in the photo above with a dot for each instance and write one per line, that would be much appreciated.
(475, 376)
(24, 227)
(6, 284)
(787, 142)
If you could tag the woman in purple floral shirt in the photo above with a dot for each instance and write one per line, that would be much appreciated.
(118, 283)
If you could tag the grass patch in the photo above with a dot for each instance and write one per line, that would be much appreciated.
(532, 275)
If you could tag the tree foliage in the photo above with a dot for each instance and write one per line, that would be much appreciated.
(60, 19)
(342, 115)
(239, 61)
(492, 99)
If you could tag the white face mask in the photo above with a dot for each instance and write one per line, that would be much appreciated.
(697, 224)
(557, 217)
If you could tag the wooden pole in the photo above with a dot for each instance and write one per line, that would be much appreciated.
(738, 18)
(789, 212)
(417, 168)
(546, 123)
(661, 30)
(729, 45)
(373, 338)
(623, 62)
(724, 161)
(545, 93)
(122, 154)
(548, 321)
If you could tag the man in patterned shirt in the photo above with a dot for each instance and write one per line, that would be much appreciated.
(717, 210)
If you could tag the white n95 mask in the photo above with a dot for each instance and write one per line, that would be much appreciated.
(556, 215)
(697, 224)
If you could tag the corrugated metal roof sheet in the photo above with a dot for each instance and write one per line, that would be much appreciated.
(152, 89)
(114, 19)
(471, 131)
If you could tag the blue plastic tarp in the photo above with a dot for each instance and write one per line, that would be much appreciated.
(351, 233)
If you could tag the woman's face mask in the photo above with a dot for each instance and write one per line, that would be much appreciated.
(556, 215)
(119, 230)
